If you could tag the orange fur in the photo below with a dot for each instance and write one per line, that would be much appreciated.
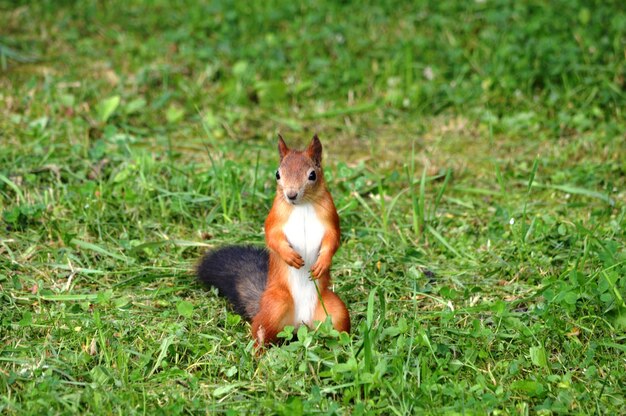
(335, 308)
(276, 306)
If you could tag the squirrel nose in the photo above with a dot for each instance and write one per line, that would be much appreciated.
(292, 196)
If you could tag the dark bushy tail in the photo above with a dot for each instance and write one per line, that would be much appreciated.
(240, 275)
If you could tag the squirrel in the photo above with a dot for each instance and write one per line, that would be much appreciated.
(287, 283)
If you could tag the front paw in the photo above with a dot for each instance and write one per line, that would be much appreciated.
(320, 268)
(293, 259)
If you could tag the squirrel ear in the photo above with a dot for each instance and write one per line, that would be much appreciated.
(314, 151)
(282, 147)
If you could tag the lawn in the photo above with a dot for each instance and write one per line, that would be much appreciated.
(476, 152)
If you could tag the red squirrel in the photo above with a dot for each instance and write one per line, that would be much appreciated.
(287, 284)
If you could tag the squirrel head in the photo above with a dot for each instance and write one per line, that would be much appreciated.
(300, 175)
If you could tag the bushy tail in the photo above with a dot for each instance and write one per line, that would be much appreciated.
(240, 275)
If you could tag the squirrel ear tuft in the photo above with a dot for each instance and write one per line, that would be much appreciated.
(314, 151)
(282, 147)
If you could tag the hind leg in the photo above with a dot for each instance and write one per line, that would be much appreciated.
(337, 310)
(276, 311)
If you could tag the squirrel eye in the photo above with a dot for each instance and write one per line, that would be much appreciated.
(277, 175)
(312, 176)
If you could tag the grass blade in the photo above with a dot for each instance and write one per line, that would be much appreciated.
(421, 215)
(441, 191)
(532, 175)
(96, 248)
(443, 241)
(12, 185)
(167, 341)
(176, 243)
(68, 298)
(575, 190)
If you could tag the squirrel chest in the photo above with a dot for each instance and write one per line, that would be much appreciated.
(304, 231)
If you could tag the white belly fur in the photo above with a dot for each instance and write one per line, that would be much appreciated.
(304, 231)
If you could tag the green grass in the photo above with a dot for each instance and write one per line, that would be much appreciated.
(476, 152)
